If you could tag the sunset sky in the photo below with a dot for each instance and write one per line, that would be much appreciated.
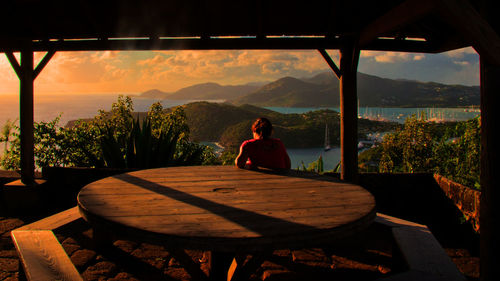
(135, 72)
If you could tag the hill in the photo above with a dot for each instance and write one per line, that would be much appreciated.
(205, 91)
(153, 94)
(322, 91)
(230, 125)
(292, 92)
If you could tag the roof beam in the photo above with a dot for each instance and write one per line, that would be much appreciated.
(15, 64)
(43, 63)
(330, 62)
(405, 13)
(284, 43)
(475, 29)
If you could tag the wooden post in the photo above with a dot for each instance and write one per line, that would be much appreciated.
(349, 57)
(490, 159)
(26, 117)
(27, 75)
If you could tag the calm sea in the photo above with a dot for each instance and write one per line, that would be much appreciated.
(47, 107)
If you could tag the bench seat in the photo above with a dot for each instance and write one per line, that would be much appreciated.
(42, 256)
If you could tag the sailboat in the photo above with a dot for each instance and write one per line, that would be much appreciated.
(327, 138)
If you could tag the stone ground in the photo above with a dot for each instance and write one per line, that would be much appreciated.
(127, 260)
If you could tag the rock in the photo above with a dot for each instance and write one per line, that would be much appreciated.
(148, 251)
(70, 248)
(9, 265)
(124, 276)
(125, 245)
(177, 273)
(6, 225)
(279, 275)
(311, 257)
(8, 254)
(100, 270)
(81, 258)
(158, 263)
(70, 240)
(14, 277)
(4, 275)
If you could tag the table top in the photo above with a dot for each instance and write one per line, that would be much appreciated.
(224, 208)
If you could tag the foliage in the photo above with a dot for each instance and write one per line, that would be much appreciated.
(461, 155)
(452, 150)
(369, 159)
(228, 157)
(113, 139)
(410, 149)
(315, 166)
(10, 159)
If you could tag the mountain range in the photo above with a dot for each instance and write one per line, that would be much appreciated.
(322, 90)
(204, 91)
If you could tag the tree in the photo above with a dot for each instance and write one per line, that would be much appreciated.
(452, 150)
(408, 149)
(113, 139)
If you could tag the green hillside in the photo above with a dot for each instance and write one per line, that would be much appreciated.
(230, 125)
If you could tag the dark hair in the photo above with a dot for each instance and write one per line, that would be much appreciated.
(262, 126)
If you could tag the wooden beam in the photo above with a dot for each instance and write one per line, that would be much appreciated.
(43, 63)
(330, 62)
(328, 43)
(475, 29)
(407, 12)
(26, 118)
(13, 61)
(349, 57)
(490, 164)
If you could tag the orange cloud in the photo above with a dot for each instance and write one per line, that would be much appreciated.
(388, 57)
(137, 71)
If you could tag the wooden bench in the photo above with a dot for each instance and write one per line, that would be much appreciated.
(55, 221)
(422, 253)
(41, 255)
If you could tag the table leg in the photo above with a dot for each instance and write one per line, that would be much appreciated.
(219, 264)
(240, 271)
(230, 267)
(187, 262)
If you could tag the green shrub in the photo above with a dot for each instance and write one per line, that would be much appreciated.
(112, 139)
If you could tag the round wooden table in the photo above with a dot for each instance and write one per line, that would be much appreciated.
(226, 209)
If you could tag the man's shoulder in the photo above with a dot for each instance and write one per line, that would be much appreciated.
(277, 140)
(248, 142)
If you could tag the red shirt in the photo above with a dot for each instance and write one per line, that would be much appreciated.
(268, 153)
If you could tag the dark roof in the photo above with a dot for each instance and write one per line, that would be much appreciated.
(220, 24)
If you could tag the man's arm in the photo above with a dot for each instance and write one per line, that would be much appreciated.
(287, 161)
(241, 159)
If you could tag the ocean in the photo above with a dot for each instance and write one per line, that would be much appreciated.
(48, 107)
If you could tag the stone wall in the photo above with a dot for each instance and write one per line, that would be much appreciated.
(465, 198)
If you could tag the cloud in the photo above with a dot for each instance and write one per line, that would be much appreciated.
(389, 57)
(226, 66)
(137, 71)
(456, 67)
(461, 53)
(418, 57)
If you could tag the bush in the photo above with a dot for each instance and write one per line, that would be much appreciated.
(112, 139)
(452, 150)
